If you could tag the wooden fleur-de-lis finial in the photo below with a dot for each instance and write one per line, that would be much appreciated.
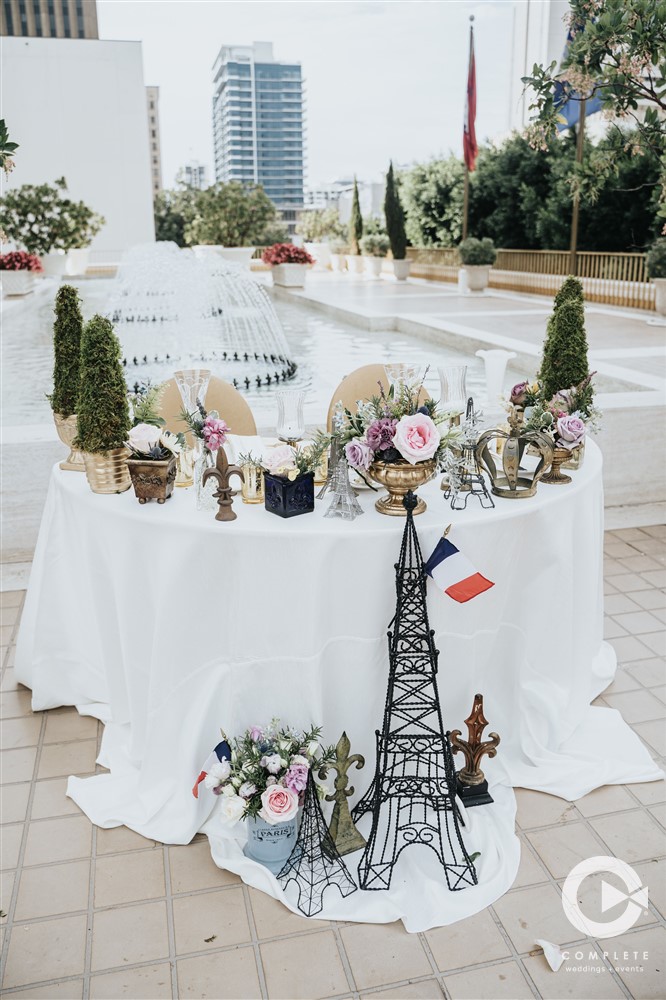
(224, 493)
(474, 748)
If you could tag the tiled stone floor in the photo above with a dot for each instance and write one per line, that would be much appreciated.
(104, 913)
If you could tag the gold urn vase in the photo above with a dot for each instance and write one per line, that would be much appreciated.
(555, 476)
(399, 478)
(106, 471)
(66, 428)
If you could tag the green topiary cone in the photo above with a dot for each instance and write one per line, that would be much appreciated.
(103, 412)
(355, 224)
(395, 217)
(565, 351)
(67, 351)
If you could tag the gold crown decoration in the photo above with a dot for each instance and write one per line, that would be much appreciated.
(512, 480)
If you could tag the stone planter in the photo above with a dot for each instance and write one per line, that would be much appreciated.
(152, 480)
(401, 269)
(107, 472)
(289, 275)
(53, 264)
(338, 262)
(77, 261)
(17, 282)
(373, 266)
(354, 263)
(322, 255)
(660, 295)
(478, 276)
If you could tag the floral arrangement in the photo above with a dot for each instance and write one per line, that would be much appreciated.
(268, 772)
(207, 426)
(150, 443)
(290, 463)
(286, 253)
(566, 417)
(394, 427)
(19, 260)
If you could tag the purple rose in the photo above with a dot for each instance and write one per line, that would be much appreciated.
(571, 431)
(518, 393)
(296, 777)
(358, 454)
(379, 434)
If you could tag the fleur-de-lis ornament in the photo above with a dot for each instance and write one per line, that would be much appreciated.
(341, 828)
(472, 784)
(224, 493)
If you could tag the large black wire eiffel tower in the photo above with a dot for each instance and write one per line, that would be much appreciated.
(315, 863)
(412, 796)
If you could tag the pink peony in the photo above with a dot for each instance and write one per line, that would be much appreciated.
(296, 777)
(571, 431)
(358, 454)
(416, 438)
(214, 432)
(278, 804)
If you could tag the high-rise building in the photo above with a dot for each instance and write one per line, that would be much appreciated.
(153, 103)
(193, 175)
(49, 18)
(258, 123)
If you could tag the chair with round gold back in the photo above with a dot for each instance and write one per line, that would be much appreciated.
(220, 396)
(362, 383)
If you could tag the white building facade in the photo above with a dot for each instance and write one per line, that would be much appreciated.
(77, 107)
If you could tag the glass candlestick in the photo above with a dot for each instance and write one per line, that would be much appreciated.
(401, 373)
(453, 388)
(192, 384)
(290, 422)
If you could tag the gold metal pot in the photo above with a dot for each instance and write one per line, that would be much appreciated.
(67, 429)
(107, 472)
(555, 476)
(399, 478)
(152, 480)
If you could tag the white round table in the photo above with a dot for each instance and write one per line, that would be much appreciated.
(168, 625)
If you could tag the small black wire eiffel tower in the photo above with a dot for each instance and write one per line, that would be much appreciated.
(412, 796)
(314, 863)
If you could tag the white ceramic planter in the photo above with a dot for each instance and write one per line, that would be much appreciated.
(289, 275)
(53, 264)
(322, 255)
(373, 266)
(354, 263)
(77, 261)
(401, 269)
(17, 282)
(660, 295)
(478, 276)
(338, 262)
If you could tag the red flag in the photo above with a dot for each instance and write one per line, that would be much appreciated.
(470, 147)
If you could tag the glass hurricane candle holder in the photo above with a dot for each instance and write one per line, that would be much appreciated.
(252, 487)
(192, 385)
(401, 373)
(290, 422)
(453, 390)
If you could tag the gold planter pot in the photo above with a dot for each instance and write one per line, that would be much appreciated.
(398, 478)
(66, 428)
(107, 472)
(152, 480)
(555, 476)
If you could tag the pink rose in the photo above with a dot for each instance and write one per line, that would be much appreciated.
(214, 432)
(255, 734)
(416, 438)
(518, 393)
(278, 804)
(358, 454)
(571, 431)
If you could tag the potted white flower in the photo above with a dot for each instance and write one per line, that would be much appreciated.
(374, 248)
(477, 257)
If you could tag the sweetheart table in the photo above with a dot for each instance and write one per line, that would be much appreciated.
(168, 625)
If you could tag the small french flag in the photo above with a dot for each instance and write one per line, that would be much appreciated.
(221, 752)
(454, 574)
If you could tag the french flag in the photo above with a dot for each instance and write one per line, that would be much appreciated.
(221, 752)
(453, 573)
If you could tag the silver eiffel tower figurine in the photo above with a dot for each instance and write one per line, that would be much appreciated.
(345, 502)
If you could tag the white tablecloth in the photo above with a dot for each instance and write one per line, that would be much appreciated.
(168, 625)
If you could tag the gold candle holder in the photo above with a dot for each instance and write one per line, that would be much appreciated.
(252, 488)
(321, 472)
(185, 468)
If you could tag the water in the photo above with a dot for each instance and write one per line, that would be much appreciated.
(324, 349)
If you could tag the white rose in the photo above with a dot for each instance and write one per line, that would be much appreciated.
(298, 758)
(312, 748)
(273, 763)
(144, 437)
(217, 774)
(247, 790)
(232, 808)
(228, 791)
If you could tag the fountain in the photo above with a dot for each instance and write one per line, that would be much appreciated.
(172, 309)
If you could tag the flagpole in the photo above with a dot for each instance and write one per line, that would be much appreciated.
(580, 140)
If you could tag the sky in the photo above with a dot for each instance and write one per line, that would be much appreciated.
(384, 80)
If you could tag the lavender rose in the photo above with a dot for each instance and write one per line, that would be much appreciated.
(519, 392)
(571, 431)
(358, 454)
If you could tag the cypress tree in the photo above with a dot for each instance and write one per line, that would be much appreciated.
(67, 351)
(564, 361)
(355, 224)
(102, 411)
(571, 288)
(395, 217)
